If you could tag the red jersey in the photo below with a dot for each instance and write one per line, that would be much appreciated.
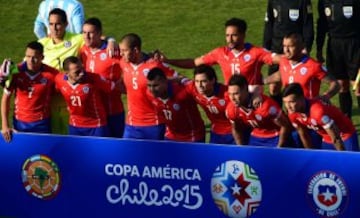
(260, 118)
(182, 117)
(32, 93)
(308, 73)
(319, 117)
(247, 63)
(213, 106)
(140, 110)
(99, 62)
(83, 99)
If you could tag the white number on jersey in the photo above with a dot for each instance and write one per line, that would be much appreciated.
(134, 83)
(31, 91)
(235, 69)
(75, 101)
(167, 114)
(213, 109)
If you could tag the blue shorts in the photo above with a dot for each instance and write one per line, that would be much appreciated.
(261, 141)
(351, 144)
(316, 139)
(116, 125)
(102, 131)
(42, 126)
(156, 132)
(221, 138)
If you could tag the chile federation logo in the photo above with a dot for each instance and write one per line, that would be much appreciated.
(328, 194)
(236, 189)
(40, 177)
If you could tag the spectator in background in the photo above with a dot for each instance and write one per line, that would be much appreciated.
(211, 96)
(74, 11)
(336, 128)
(172, 101)
(81, 92)
(270, 126)
(33, 87)
(95, 59)
(283, 17)
(341, 20)
(142, 121)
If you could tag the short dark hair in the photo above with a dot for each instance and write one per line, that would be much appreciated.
(94, 21)
(154, 73)
(293, 89)
(70, 60)
(35, 45)
(297, 37)
(238, 80)
(132, 39)
(239, 23)
(59, 12)
(207, 70)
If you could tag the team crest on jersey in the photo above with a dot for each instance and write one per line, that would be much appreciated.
(103, 56)
(303, 71)
(258, 117)
(327, 11)
(236, 189)
(294, 14)
(43, 81)
(328, 194)
(348, 11)
(86, 89)
(67, 44)
(176, 107)
(325, 119)
(247, 57)
(275, 12)
(146, 71)
(41, 177)
(272, 110)
(222, 102)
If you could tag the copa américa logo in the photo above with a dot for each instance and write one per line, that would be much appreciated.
(41, 177)
(236, 189)
(328, 194)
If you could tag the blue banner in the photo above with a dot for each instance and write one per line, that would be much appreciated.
(66, 176)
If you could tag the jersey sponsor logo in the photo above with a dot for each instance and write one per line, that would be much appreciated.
(303, 71)
(258, 117)
(327, 11)
(236, 189)
(294, 14)
(247, 58)
(222, 102)
(146, 71)
(313, 122)
(86, 89)
(67, 44)
(348, 11)
(41, 177)
(275, 12)
(43, 81)
(103, 56)
(176, 107)
(328, 194)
